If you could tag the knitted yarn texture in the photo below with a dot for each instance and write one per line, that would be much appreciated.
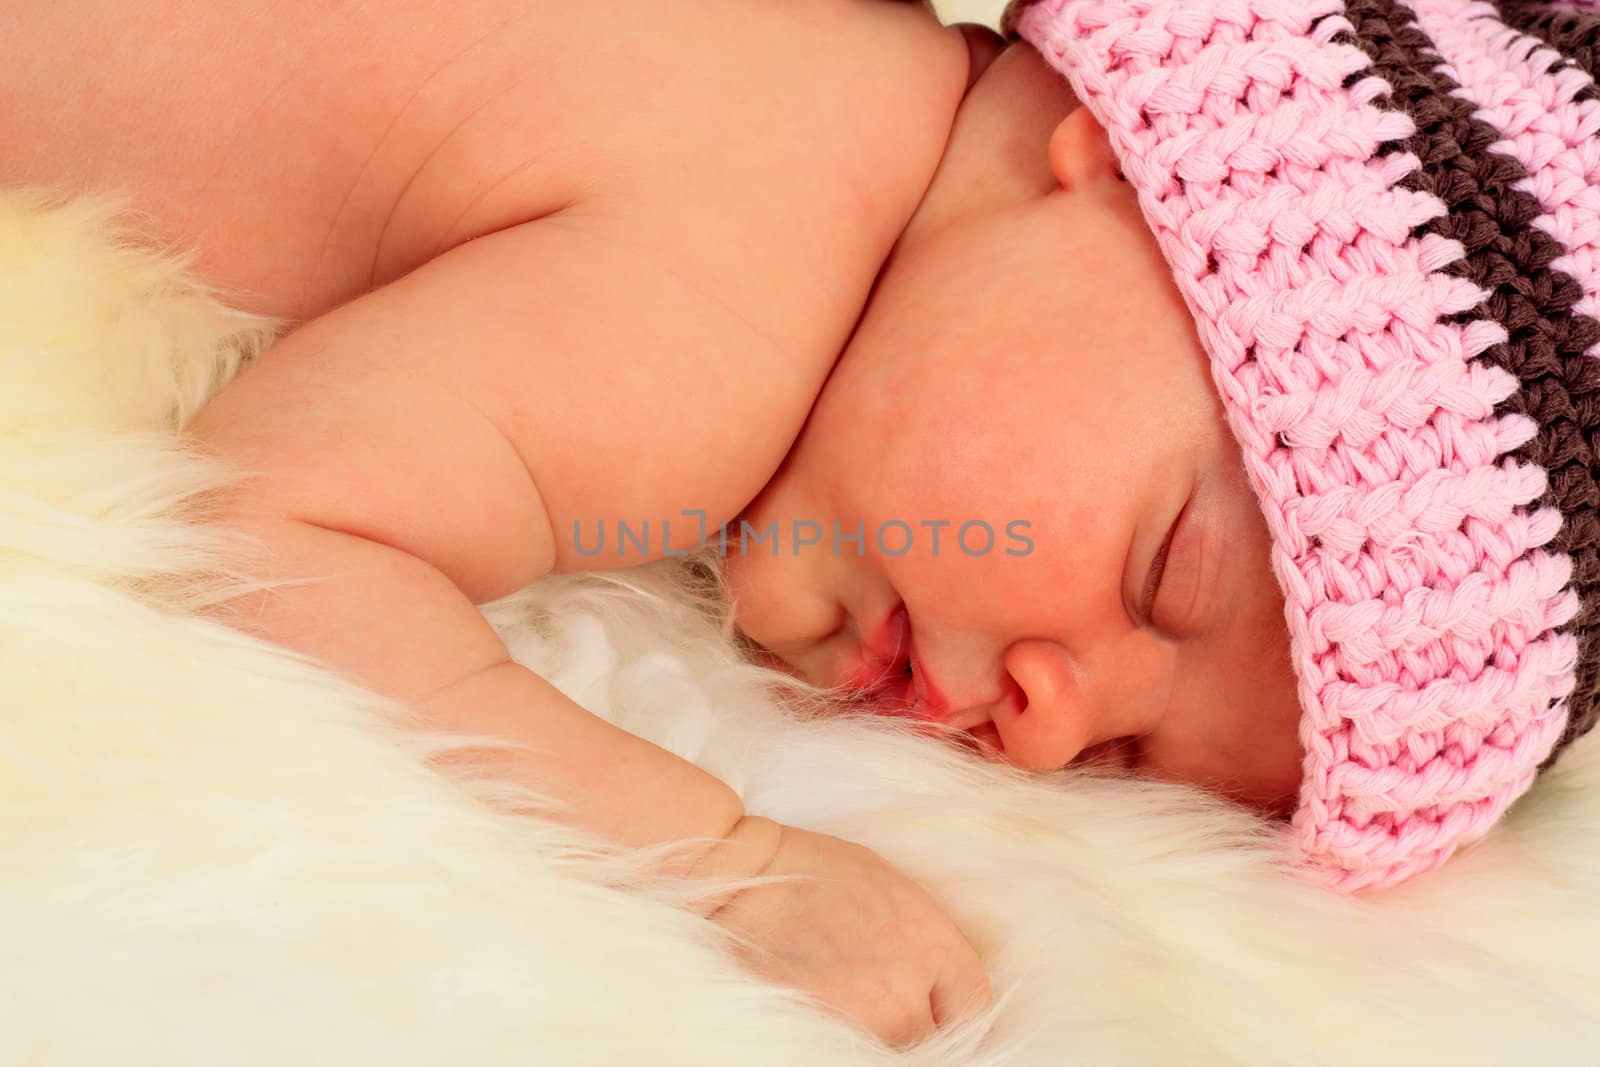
(1385, 220)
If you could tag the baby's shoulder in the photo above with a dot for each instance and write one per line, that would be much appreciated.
(309, 152)
(284, 142)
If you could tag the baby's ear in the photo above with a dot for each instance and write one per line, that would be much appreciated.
(1080, 152)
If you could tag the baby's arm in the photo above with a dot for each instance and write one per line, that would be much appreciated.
(419, 451)
(399, 624)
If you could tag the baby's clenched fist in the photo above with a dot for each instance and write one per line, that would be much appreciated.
(849, 929)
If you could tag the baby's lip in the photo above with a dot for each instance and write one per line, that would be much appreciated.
(933, 706)
(889, 644)
(882, 657)
(889, 690)
(880, 672)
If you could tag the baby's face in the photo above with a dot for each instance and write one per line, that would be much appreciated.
(1026, 363)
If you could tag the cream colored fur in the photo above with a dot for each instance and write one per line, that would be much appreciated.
(212, 852)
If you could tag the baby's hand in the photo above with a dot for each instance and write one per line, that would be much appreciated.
(852, 931)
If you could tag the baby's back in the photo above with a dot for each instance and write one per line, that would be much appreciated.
(311, 151)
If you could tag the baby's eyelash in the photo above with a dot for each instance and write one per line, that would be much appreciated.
(1152, 583)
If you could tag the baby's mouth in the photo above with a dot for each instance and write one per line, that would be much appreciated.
(896, 696)
(886, 682)
(892, 680)
(899, 696)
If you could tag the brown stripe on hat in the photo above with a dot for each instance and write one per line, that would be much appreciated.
(1575, 34)
(1505, 254)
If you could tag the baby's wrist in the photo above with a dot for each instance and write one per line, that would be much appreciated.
(745, 851)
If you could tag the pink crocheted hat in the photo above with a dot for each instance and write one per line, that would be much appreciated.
(1385, 219)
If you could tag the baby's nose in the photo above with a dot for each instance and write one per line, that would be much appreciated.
(1049, 717)
(1065, 702)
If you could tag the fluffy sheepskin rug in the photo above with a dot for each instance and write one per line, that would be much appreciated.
(212, 851)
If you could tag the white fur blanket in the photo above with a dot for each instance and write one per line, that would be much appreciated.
(213, 852)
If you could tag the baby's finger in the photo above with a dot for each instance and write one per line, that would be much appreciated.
(962, 990)
(903, 1028)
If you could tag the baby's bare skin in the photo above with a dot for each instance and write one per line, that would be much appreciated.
(556, 262)
(313, 151)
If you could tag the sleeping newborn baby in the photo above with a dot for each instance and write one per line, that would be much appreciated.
(1295, 418)
(1281, 346)
(1277, 349)
(1257, 366)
